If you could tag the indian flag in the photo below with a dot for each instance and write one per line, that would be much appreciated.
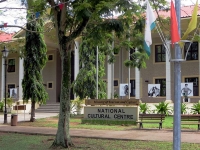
(149, 25)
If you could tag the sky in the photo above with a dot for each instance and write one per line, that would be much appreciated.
(17, 16)
(12, 16)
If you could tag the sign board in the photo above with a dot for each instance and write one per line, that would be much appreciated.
(123, 91)
(19, 107)
(153, 90)
(13, 92)
(187, 89)
(111, 113)
(126, 102)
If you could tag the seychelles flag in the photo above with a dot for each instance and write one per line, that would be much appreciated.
(149, 25)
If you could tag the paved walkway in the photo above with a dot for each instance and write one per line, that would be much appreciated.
(190, 136)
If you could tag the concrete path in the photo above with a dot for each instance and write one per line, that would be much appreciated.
(26, 116)
(190, 136)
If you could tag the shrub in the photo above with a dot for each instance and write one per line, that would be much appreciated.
(9, 102)
(1, 106)
(144, 108)
(163, 108)
(77, 104)
(183, 108)
(196, 108)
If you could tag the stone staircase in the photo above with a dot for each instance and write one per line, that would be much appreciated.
(48, 108)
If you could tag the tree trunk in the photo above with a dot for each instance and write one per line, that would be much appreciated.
(63, 138)
(32, 119)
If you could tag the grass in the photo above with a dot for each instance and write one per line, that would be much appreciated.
(29, 142)
(101, 125)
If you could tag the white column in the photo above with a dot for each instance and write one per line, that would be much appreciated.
(168, 75)
(76, 59)
(21, 75)
(2, 78)
(137, 83)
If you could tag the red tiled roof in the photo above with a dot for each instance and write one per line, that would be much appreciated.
(186, 11)
(5, 36)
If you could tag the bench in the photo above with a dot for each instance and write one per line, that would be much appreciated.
(151, 118)
(191, 120)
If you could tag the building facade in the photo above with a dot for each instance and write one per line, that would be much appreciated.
(159, 69)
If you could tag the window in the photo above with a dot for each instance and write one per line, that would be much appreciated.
(159, 53)
(11, 65)
(50, 85)
(50, 57)
(10, 86)
(132, 50)
(162, 83)
(132, 82)
(195, 81)
(115, 82)
(192, 52)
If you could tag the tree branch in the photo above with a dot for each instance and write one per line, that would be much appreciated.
(78, 30)
(2, 1)
(2, 26)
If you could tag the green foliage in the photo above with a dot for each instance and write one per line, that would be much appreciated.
(144, 108)
(163, 108)
(1, 106)
(9, 101)
(34, 61)
(85, 83)
(196, 108)
(77, 103)
(116, 95)
(107, 122)
(183, 108)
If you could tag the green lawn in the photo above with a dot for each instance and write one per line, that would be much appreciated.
(102, 125)
(168, 124)
(13, 141)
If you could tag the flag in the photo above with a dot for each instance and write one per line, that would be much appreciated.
(61, 6)
(48, 11)
(193, 22)
(149, 25)
(37, 14)
(175, 37)
(5, 24)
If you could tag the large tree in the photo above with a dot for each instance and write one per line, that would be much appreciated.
(71, 18)
(34, 61)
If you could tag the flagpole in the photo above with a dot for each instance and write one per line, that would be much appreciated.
(97, 74)
(177, 85)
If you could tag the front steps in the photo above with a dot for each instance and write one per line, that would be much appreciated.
(48, 108)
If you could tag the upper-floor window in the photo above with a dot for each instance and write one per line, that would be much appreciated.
(192, 52)
(160, 53)
(50, 57)
(115, 82)
(132, 82)
(162, 83)
(195, 81)
(11, 65)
